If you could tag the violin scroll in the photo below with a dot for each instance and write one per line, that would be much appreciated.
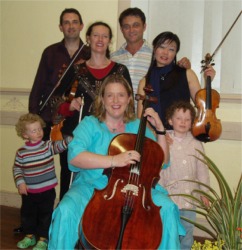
(208, 61)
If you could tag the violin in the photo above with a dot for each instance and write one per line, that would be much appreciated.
(55, 133)
(123, 215)
(206, 126)
(62, 74)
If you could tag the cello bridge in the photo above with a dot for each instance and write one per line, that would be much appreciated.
(132, 188)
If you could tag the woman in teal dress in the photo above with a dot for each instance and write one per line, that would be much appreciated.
(87, 156)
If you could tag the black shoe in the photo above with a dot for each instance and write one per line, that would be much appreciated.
(18, 230)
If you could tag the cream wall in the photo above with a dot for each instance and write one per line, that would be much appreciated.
(27, 27)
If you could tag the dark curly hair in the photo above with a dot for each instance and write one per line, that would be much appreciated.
(180, 105)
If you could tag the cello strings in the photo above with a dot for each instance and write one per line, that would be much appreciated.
(130, 195)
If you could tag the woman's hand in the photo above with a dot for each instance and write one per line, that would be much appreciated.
(125, 158)
(76, 104)
(154, 119)
(209, 71)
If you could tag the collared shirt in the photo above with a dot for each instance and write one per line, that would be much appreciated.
(185, 165)
(137, 64)
(53, 59)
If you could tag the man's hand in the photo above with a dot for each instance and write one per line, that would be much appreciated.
(184, 63)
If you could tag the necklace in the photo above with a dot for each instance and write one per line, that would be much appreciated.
(116, 129)
(98, 65)
(162, 77)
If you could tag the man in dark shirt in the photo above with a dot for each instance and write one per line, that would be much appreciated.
(55, 59)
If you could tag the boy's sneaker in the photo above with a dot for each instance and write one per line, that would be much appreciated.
(41, 245)
(26, 242)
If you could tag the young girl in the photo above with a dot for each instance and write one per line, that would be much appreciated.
(35, 178)
(184, 165)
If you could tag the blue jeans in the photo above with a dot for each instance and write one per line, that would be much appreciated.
(187, 240)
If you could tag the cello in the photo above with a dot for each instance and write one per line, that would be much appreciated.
(123, 215)
(206, 126)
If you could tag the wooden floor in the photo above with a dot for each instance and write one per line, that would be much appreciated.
(10, 219)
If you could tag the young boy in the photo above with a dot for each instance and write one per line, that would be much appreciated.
(184, 165)
(35, 178)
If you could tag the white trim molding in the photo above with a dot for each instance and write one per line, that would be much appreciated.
(14, 200)
(10, 199)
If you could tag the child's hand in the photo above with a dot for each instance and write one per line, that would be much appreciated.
(169, 139)
(205, 201)
(22, 189)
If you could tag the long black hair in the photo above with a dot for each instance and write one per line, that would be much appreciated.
(160, 39)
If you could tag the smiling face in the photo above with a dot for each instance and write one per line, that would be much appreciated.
(71, 26)
(133, 29)
(99, 39)
(181, 122)
(165, 53)
(115, 101)
(33, 132)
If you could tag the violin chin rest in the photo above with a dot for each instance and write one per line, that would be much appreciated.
(203, 138)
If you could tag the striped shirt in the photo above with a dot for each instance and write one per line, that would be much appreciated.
(137, 64)
(34, 165)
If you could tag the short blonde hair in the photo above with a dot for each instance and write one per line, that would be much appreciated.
(98, 108)
(27, 119)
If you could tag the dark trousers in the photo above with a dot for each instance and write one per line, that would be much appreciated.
(36, 212)
(65, 174)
